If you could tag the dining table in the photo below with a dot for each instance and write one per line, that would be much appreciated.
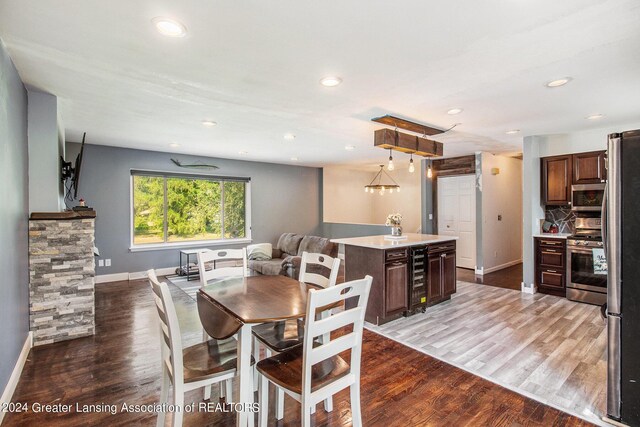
(250, 301)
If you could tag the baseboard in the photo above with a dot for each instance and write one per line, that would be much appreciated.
(528, 289)
(7, 394)
(117, 277)
(482, 271)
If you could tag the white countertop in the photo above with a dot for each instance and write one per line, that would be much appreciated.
(553, 235)
(384, 242)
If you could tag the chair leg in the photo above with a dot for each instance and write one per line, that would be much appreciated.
(256, 357)
(279, 403)
(306, 415)
(205, 336)
(263, 401)
(178, 401)
(228, 392)
(164, 397)
(207, 392)
(328, 404)
(222, 393)
(356, 416)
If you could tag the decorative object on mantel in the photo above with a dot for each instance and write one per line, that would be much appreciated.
(197, 165)
(377, 183)
(394, 221)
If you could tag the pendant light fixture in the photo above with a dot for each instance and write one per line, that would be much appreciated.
(390, 166)
(429, 172)
(412, 168)
(377, 183)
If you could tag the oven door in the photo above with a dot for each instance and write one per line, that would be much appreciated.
(581, 271)
(587, 197)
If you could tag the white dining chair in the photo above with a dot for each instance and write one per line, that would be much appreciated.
(315, 372)
(280, 336)
(208, 260)
(197, 366)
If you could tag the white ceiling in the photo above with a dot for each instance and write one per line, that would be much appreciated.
(254, 67)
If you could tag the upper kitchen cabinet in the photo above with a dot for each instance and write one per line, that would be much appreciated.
(556, 180)
(588, 168)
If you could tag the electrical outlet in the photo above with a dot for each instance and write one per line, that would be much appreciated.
(100, 263)
(107, 262)
(430, 216)
(495, 254)
(499, 217)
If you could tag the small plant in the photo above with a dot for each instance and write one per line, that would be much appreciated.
(394, 220)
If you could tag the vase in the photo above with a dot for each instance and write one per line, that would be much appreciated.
(396, 230)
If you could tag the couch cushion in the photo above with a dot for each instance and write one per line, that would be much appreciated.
(272, 267)
(289, 243)
(318, 245)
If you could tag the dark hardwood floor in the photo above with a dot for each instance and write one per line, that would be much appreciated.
(508, 278)
(121, 364)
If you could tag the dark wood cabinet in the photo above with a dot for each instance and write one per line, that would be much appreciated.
(399, 274)
(396, 277)
(441, 265)
(588, 168)
(556, 180)
(551, 266)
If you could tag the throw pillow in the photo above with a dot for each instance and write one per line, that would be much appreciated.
(259, 252)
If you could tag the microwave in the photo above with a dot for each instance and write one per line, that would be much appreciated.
(587, 197)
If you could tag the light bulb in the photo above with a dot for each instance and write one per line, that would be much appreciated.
(429, 172)
(398, 189)
(391, 166)
(391, 191)
(412, 168)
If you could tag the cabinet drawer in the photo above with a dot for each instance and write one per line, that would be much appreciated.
(442, 247)
(552, 278)
(553, 257)
(554, 243)
(395, 254)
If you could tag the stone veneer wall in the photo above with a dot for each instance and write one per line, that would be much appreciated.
(563, 217)
(61, 279)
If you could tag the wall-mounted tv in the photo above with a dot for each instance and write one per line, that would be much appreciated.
(71, 174)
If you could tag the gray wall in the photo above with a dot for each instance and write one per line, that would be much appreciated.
(45, 189)
(14, 193)
(283, 199)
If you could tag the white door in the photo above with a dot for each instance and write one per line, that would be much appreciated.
(457, 215)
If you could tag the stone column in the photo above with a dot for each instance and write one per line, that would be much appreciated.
(61, 279)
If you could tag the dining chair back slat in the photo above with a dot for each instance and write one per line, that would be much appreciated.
(308, 276)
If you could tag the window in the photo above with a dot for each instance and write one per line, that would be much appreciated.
(182, 209)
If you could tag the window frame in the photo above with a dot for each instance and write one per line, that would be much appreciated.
(193, 243)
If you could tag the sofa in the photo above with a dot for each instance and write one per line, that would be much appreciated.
(286, 255)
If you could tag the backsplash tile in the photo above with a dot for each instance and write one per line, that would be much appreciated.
(563, 217)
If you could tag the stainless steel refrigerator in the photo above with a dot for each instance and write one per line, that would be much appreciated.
(621, 227)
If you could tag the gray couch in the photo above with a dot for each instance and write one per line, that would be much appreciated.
(287, 254)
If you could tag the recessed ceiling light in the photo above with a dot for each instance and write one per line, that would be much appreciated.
(331, 81)
(559, 82)
(169, 27)
(289, 136)
(349, 147)
(595, 116)
(512, 131)
(455, 111)
(174, 145)
(294, 159)
(242, 153)
(208, 123)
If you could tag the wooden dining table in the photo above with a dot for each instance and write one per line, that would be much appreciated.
(250, 301)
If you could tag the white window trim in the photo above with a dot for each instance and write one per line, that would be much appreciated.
(188, 244)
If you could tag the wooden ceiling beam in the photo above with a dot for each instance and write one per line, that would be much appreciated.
(407, 125)
(410, 144)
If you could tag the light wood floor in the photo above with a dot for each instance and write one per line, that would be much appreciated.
(543, 346)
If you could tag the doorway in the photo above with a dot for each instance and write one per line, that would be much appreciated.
(457, 215)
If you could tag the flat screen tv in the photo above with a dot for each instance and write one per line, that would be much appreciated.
(71, 174)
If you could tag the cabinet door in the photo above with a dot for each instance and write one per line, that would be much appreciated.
(396, 287)
(448, 273)
(551, 278)
(588, 168)
(556, 180)
(551, 257)
(434, 285)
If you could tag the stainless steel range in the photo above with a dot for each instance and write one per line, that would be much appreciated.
(584, 282)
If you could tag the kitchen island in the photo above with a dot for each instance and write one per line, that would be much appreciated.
(409, 273)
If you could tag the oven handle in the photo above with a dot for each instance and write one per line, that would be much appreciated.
(573, 249)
